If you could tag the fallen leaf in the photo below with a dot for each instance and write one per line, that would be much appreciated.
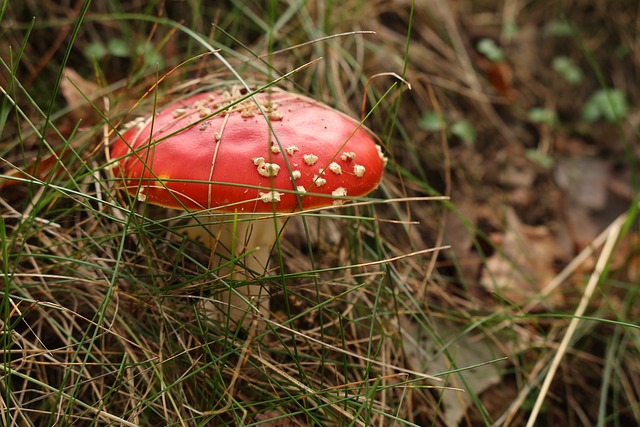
(500, 76)
(459, 230)
(523, 263)
(77, 91)
(424, 354)
(273, 418)
(585, 180)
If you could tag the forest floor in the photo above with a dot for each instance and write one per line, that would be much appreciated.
(492, 279)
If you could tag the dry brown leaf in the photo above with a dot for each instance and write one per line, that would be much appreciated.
(584, 179)
(273, 418)
(460, 236)
(581, 225)
(523, 263)
(424, 354)
(76, 90)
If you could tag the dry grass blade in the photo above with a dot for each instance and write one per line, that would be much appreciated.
(355, 355)
(605, 256)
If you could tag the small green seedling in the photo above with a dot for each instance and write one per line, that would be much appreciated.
(608, 104)
(568, 70)
(490, 49)
(432, 122)
(542, 115)
(464, 130)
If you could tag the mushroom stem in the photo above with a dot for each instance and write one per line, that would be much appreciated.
(242, 246)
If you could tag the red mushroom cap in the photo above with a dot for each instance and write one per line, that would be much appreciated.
(185, 157)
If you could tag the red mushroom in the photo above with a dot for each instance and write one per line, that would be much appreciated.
(216, 151)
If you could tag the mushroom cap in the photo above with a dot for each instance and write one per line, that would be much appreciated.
(210, 151)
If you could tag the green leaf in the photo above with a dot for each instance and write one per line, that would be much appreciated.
(560, 29)
(608, 104)
(119, 48)
(151, 56)
(542, 115)
(431, 121)
(464, 130)
(540, 159)
(567, 69)
(95, 50)
(490, 49)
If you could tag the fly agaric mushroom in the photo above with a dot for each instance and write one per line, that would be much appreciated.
(216, 151)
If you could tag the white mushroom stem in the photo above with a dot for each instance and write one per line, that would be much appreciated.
(242, 245)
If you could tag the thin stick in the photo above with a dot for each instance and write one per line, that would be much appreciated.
(607, 249)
